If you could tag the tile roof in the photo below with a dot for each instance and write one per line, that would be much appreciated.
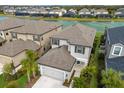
(58, 58)
(77, 34)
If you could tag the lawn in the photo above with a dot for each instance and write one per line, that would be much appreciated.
(75, 19)
(2, 82)
(22, 81)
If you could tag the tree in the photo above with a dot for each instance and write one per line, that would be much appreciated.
(78, 82)
(27, 67)
(31, 56)
(29, 64)
(112, 79)
(7, 71)
(86, 78)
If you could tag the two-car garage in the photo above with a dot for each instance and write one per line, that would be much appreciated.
(57, 63)
(52, 72)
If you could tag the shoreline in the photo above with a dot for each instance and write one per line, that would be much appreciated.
(70, 19)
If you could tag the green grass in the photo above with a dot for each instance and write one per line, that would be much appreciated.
(22, 81)
(2, 82)
(75, 19)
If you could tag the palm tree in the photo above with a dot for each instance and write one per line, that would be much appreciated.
(27, 67)
(31, 56)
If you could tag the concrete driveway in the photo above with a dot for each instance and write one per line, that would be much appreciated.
(48, 82)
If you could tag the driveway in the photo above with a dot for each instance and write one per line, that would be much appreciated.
(48, 82)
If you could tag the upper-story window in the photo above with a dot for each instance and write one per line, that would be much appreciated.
(36, 38)
(55, 41)
(79, 49)
(14, 35)
(117, 50)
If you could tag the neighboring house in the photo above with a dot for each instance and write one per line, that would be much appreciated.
(37, 31)
(7, 25)
(22, 12)
(119, 13)
(70, 13)
(102, 13)
(114, 49)
(10, 10)
(70, 46)
(38, 12)
(14, 52)
(55, 12)
(85, 13)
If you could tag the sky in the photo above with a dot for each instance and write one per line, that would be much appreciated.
(61, 2)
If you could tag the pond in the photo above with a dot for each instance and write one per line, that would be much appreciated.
(2, 18)
(99, 26)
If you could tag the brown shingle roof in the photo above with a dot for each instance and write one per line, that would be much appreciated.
(77, 34)
(14, 47)
(36, 27)
(58, 58)
(10, 23)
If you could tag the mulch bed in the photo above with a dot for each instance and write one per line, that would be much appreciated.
(33, 81)
(67, 83)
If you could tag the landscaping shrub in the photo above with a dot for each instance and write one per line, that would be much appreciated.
(20, 73)
(112, 79)
(12, 84)
(87, 78)
(101, 56)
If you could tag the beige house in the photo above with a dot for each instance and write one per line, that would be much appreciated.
(7, 25)
(37, 31)
(14, 52)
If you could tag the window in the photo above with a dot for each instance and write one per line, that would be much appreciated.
(36, 38)
(7, 33)
(78, 62)
(79, 49)
(14, 35)
(55, 41)
(117, 50)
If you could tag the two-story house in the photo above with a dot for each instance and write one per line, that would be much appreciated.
(101, 13)
(119, 13)
(70, 46)
(85, 13)
(114, 50)
(37, 31)
(14, 52)
(7, 25)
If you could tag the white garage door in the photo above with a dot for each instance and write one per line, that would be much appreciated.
(54, 73)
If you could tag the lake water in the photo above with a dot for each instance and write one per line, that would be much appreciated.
(99, 26)
(2, 18)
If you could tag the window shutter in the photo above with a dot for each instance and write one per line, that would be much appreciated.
(75, 49)
(83, 51)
